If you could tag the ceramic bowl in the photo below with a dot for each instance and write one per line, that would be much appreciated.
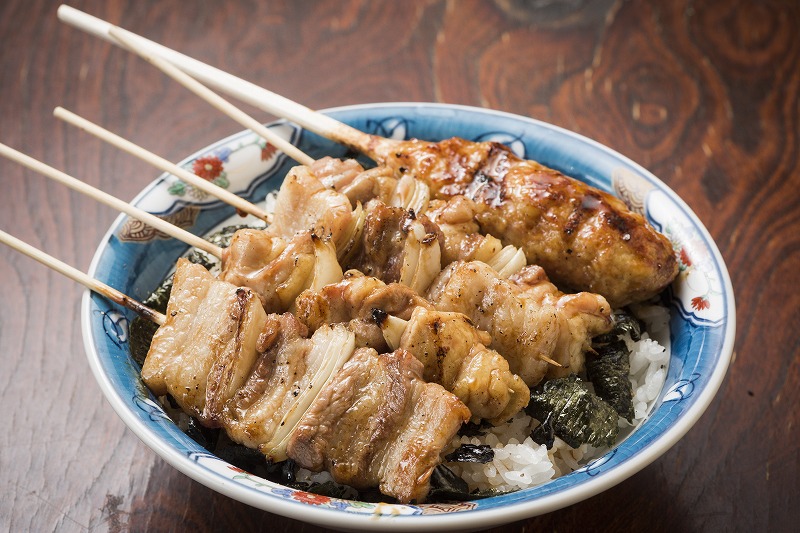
(135, 259)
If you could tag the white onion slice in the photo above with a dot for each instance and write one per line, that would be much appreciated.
(393, 328)
(333, 345)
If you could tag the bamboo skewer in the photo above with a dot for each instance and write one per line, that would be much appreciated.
(87, 281)
(116, 203)
(226, 83)
(161, 163)
(212, 98)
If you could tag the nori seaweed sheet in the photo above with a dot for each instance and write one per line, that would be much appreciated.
(578, 415)
(446, 486)
(471, 453)
(624, 322)
(608, 371)
(544, 432)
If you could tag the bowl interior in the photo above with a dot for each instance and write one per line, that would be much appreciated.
(135, 259)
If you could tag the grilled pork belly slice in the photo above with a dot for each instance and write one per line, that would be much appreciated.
(204, 351)
(290, 371)
(530, 323)
(399, 246)
(355, 300)
(278, 270)
(584, 238)
(377, 423)
(454, 354)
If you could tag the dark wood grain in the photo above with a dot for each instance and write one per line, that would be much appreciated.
(704, 94)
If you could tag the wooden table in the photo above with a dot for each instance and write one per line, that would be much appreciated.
(704, 94)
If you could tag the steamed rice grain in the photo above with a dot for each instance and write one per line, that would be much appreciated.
(520, 463)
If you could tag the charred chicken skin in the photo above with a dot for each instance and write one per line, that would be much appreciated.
(584, 238)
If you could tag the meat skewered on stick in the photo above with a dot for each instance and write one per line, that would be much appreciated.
(226, 369)
(319, 266)
(583, 237)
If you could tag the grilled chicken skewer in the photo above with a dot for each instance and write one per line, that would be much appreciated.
(285, 262)
(231, 365)
(452, 351)
(584, 238)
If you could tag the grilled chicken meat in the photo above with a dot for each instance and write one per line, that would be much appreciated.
(204, 351)
(531, 323)
(259, 376)
(398, 246)
(348, 177)
(304, 204)
(356, 300)
(288, 375)
(464, 242)
(454, 354)
(584, 238)
(378, 423)
(451, 349)
(276, 269)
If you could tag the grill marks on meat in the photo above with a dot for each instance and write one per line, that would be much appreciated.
(259, 376)
(583, 237)
(378, 423)
(529, 321)
(204, 351)
(453, 353)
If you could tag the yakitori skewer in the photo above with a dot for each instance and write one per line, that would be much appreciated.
(111, 201)
(84, 279)
(161, 163)
(559, 222)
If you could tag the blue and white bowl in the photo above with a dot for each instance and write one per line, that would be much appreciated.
(135, 259)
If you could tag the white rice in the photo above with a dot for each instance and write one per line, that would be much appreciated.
(520, 463)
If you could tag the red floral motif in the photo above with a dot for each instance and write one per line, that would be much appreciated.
(266, 151)
(700, 302)
(685, 258)
(310, 497)
(235, 469)
(208, 167)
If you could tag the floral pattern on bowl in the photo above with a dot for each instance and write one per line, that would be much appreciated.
(701, 303)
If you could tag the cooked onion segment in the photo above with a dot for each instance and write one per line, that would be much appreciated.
(411, 194)
(422, 259)
(332, 346)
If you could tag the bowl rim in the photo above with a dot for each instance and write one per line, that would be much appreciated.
(474, 519)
